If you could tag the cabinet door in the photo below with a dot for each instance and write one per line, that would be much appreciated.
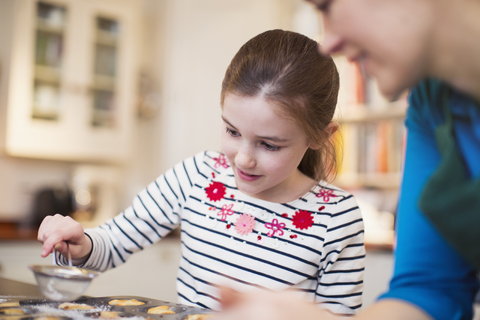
(73, 80)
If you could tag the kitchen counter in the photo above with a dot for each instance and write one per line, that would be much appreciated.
(13, 288)
(15, 231)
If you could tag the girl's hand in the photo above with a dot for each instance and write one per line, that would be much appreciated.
(56, 230)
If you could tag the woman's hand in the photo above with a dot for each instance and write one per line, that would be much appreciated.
(261, 305)
(286, 305)
(56, 230)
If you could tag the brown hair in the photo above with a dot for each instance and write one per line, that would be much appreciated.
(287, 68)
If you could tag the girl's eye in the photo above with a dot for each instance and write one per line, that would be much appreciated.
(270, 147)
(231, 132)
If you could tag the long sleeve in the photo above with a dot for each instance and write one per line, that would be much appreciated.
(154, 213)
(428, 272)
(340, 282)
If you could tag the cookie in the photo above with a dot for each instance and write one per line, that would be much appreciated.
(131, 302)
(75, 306)
(161, 310)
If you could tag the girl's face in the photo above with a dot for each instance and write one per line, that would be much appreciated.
(388, 38)
(263, 148)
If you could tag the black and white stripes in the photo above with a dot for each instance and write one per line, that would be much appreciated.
(324, 262)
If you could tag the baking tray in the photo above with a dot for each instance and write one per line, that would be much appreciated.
(38, 309)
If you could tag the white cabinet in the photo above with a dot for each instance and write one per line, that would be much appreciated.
(72, 79)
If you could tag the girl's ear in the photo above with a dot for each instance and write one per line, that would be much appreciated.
(329, 130)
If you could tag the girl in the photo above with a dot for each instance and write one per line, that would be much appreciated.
(259, 215)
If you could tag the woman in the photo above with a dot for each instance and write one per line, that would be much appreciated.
(431, 47)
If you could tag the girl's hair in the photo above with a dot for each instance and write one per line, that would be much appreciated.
(287, 69)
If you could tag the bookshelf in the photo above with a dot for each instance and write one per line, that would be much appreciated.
(371, 133)
(372, 144)
(72, 80)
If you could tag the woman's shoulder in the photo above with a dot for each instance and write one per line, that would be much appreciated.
(426, 103)
(430, 95)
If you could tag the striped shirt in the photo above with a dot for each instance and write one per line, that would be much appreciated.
(313, 244)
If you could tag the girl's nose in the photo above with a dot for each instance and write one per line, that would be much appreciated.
(245, 159)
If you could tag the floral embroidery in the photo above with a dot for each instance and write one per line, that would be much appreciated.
(326, 194)
(226, 211)
(215, 191)
(244, 224)
(302, 219)
(275, 227)
(221, 161)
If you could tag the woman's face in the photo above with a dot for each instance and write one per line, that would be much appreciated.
(263, 148)
(388, 38)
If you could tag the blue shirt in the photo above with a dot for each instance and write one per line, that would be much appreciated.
(429, 273)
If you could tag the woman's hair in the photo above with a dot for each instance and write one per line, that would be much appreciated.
(286, 68)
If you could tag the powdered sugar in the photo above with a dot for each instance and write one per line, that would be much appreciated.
(52, 310)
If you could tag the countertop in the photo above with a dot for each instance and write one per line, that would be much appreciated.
(13, 288)
(16, 231)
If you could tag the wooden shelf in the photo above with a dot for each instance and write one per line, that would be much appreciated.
(47, 74)
(389, 180)
(103, 83)
(106, 38)
(46, 27)
(362, 113)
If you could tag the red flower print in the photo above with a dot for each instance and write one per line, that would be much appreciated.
(221, 161)
(244, 224)
(326, 194)
(215, 191)
(275, 227)
(226, 211)
(302, 219)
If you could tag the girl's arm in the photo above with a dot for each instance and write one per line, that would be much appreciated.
(340, 280)
(155, 211)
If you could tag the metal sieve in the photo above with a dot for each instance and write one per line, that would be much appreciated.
(60, 283)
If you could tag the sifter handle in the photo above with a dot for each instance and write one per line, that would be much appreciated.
(69, 256)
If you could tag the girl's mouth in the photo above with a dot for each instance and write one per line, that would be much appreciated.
(247, 177)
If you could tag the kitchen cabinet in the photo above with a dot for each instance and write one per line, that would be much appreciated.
(72, 79)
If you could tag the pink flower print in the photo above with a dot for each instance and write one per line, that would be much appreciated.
(215, 191)
(244, 224)
(275, 227)
(302, 219)
(226, 211)
(326, 194)
(221, 161)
